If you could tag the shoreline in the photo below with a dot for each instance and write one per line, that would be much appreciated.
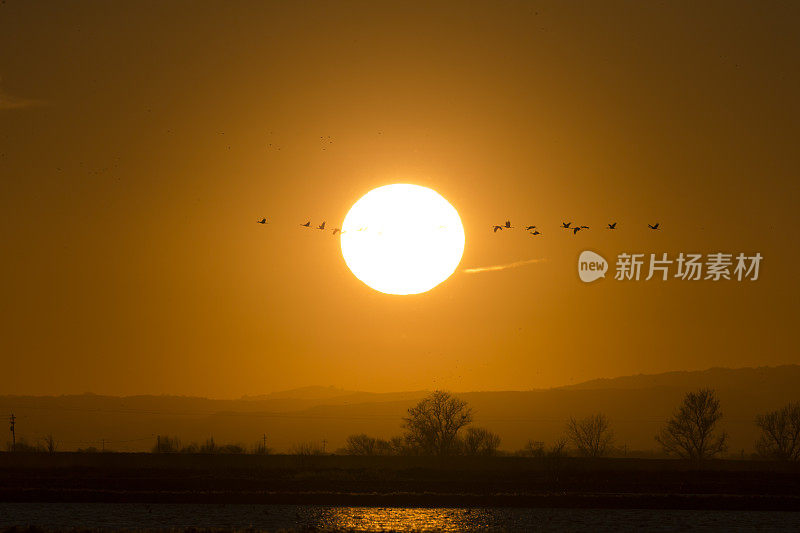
(721, 502)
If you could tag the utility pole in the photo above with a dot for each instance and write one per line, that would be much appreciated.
(265, 443)
(324, 442)
(103, 444)
(12, 420)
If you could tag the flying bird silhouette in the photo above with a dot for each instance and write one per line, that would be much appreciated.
(262, 220)
(654, 227)
(321, 226)
(497, 228)
(566, 225)
(612, 226)
(508, 224)
(336, 230)
(584, 227)
(530, 228)
(536, 232)
(307, 224)
(575, 230)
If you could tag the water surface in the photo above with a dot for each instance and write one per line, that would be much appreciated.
(305, 517)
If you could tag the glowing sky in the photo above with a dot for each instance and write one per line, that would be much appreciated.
(140, 141)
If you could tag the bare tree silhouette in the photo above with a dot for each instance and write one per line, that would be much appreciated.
(690, 431)
(360, 444)
(558, 449)
(393, 446)
(50, 443)
(532, 448)
(536, 448)
(592, 435)
(363, 444)
(780, 433)
(306, 448)
(480, 441)
(433, 424)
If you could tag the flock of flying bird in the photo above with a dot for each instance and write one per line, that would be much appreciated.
(530, 229)
(564, 225)
(263, 220)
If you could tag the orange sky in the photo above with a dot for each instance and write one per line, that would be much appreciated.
(139, 142)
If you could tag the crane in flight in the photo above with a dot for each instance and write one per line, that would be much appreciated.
(307, 224)
(653, 227)
(612, 226)
(262, 220)
(321, 226)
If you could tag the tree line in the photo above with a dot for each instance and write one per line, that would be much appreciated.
(169, 444)
(441, 425)
(434, 427)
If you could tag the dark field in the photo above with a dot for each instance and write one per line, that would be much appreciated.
(399, 481)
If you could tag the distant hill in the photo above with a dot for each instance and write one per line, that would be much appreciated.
(636, 405)
(782, 376)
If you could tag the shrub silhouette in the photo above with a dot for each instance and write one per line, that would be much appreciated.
(209, 446)
(166, 444)
(23, 445)
(306, 449)
(231, 448)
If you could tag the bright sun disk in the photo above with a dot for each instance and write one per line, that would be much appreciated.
(402, 239)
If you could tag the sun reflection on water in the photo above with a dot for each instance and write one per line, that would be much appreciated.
(402, 519)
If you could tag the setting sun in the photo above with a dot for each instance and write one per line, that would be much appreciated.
(402, 239)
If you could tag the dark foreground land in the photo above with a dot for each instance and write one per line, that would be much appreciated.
(399, 481)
